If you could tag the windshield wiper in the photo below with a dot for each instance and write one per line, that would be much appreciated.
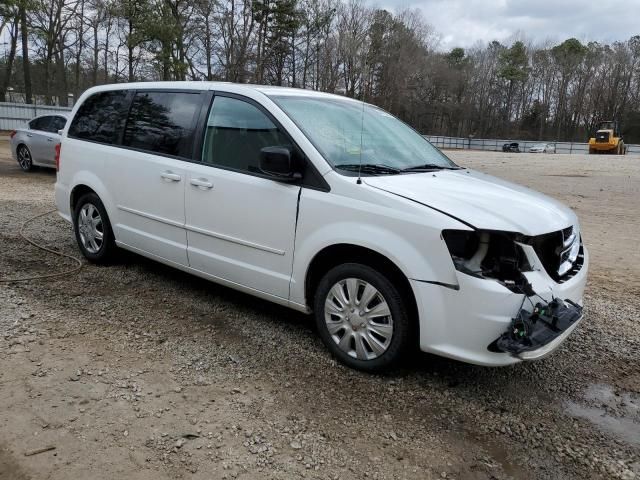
(368, 168)
(428, 167)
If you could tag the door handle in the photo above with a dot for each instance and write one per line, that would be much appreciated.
(201, 183)
(169, 175)
(49, 139)
(29, 134)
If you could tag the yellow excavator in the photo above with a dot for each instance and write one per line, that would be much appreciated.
(607, 139)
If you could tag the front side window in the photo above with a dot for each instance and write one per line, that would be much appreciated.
(101, 117)
(162, 122)
(350, 134)
(236, 132)
(57, 123)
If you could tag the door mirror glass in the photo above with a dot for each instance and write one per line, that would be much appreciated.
(277, 162)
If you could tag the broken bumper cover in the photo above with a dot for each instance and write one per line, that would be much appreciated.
(461, 323)
(534, 335)
(549, 348)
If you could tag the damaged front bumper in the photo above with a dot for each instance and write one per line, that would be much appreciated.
(550, 347)
(534, 334)
(462, 323)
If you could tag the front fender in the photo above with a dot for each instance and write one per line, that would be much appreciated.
(412, 242)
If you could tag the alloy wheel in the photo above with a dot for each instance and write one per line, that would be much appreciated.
(24, 158)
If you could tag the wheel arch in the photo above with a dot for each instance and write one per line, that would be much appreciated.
(87, 182)
(77, 192)
(103, 253)
(337, 254)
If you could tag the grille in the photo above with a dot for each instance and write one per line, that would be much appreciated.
(575, 268)
(561, 253)
(602, 137)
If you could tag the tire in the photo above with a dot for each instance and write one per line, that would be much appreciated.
(25, 160)
(95, 249)
(362, 341)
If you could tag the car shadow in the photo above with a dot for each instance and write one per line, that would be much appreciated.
(10, 168)
(211, 291)
(417, 364)
(234, 314)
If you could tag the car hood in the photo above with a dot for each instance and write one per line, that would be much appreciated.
(480, 200)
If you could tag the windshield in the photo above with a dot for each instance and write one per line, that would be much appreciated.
(338, 128)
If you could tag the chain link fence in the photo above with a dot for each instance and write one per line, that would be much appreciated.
(495, 145)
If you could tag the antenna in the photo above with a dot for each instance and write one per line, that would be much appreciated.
(359, 181)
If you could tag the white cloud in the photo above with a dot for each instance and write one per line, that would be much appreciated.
(465, 22)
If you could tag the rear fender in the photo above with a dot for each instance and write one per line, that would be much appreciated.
(89, 179)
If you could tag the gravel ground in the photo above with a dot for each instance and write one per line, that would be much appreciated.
(140, 371)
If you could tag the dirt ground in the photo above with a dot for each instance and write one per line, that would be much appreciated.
(139, 371)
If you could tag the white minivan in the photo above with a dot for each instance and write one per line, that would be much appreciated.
(326, 205)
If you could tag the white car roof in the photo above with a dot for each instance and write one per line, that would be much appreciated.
(229, 87)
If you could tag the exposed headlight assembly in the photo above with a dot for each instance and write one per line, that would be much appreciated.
(488, 254)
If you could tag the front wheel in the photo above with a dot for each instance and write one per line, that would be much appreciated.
(25, 160)
(361, 317)
(93, 229)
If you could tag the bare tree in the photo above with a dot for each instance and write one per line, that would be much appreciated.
(522, 88)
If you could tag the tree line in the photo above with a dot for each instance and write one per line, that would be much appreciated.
(54, 48)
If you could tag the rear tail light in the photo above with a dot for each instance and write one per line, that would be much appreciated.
(57, 147)
(12, 133)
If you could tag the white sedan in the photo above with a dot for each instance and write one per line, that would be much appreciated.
(543, 148)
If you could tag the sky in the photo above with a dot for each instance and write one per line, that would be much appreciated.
(464, 23)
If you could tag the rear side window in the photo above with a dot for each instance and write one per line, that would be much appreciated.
(163, 122)
(101, 117)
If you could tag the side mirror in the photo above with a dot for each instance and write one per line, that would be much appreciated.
(277, 162)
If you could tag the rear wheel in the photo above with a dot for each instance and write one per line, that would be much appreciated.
(24, 158)
(93, 229)
(361, 317)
